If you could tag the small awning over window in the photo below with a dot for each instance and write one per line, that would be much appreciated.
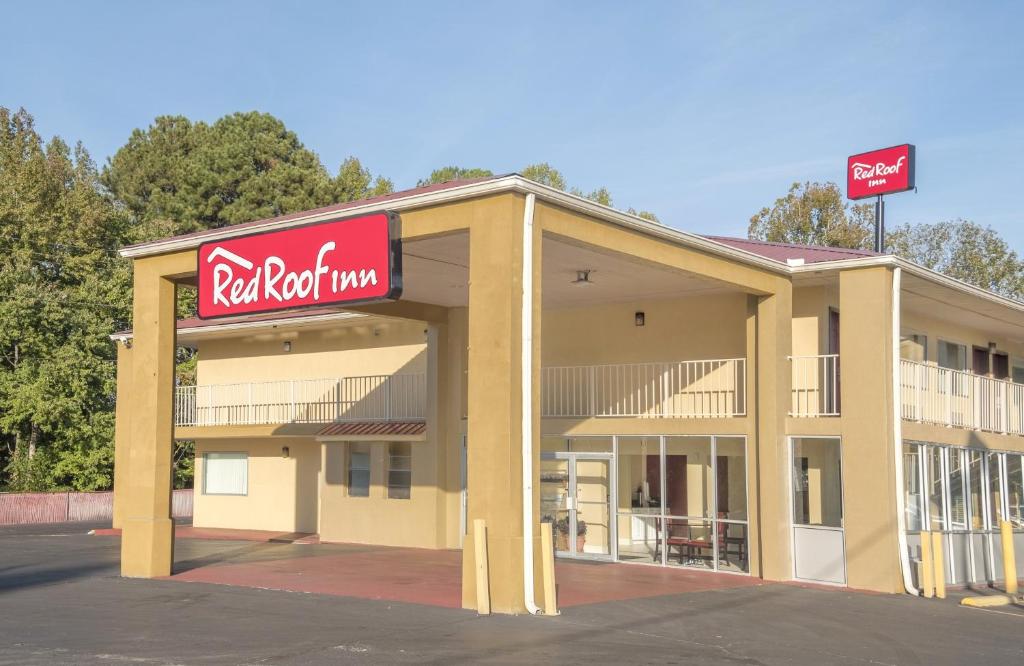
(374, 430)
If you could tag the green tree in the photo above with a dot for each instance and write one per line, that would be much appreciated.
(445, 174)
(61, 280)
(177, 176)
(964, 250)
(355, 182)
(545, 174)
(815, 214)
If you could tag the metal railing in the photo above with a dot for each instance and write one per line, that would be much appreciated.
(930, 394)
(367, 398)
(815, 389)
(681, 389)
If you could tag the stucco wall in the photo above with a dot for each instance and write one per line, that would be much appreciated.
(281, 491)
(693, 328)
(374, 347)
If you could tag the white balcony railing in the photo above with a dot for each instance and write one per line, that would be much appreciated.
(369, 398)
(683, 389)
(815, 388)
(931, 394)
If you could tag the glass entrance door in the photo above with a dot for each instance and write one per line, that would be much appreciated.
(575, 496)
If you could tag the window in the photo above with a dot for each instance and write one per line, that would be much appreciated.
(399, 470)
(1017, 371)
(359, 470)
(911, 485)
(1015, 489)
(817, 482)
(914, 347)
(225, 473)
(952, 355)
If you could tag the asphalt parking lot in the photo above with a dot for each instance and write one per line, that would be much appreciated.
(62, 602)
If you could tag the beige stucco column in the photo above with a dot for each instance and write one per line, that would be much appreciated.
(773, 346)
(494, 436)
(122, 428)
(147, 541)
(869, 493)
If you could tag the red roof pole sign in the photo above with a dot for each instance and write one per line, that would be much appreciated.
(879, 172)
(338, 262)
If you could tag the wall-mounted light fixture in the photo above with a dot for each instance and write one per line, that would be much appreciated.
(991, 348)
(287, 345)
(285, 452)
(583, 278)
(639, 318)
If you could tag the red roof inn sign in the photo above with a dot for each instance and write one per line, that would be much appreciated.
(339, 262)
(880, 172)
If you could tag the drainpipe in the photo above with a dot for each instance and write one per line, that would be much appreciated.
(527, 400)
(897, 437)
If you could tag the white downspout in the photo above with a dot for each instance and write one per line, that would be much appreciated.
(527, 400)
(897, 436)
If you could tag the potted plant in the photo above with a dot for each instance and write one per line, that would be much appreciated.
(581, 534)
(561, 528)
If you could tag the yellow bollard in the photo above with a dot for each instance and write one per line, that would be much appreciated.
(483, 590)
(1009, 563)
(939, 565)
(547, 549)
(927, 566)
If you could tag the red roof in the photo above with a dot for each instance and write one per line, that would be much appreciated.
(783, 252)
(375, 428)
(336, 208)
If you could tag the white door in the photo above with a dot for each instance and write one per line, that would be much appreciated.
(819, 548)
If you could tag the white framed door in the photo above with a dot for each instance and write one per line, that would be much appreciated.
(816, 509)
(576, 497)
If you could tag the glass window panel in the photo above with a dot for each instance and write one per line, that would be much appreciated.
(957, 496)
(399, 470)
(995, 493)
(914, 347)
(731, 464)
(359, 470)
(934, 479)
(554, 489)
(1015, 488)
(732, 547)
(689, 481)
(639, 499)
(690, 542)
(977, 489)
(952, 355)
(911, 485)
(817, 482)
(225, 473)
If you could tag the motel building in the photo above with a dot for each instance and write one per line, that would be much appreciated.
(524, 355)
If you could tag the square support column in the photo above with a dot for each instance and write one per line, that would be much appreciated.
(774, 344)
(122, 429)
(147, 539)
(495, 359)
(869, 459)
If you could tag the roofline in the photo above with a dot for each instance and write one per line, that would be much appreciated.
(917, 270)
(511, 183)
(516, 183)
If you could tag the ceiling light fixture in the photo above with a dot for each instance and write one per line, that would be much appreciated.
(582, 278)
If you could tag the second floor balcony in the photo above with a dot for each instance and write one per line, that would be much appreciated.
(960, 399)
(681, 389)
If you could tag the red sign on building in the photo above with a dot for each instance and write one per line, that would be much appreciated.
(347, 261)
(880, 172)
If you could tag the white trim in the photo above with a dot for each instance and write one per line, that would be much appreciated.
(526, 385)
(897, 434)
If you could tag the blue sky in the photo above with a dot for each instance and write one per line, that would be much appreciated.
(700, 112)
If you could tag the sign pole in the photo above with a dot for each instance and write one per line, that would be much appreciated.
(880, 225)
